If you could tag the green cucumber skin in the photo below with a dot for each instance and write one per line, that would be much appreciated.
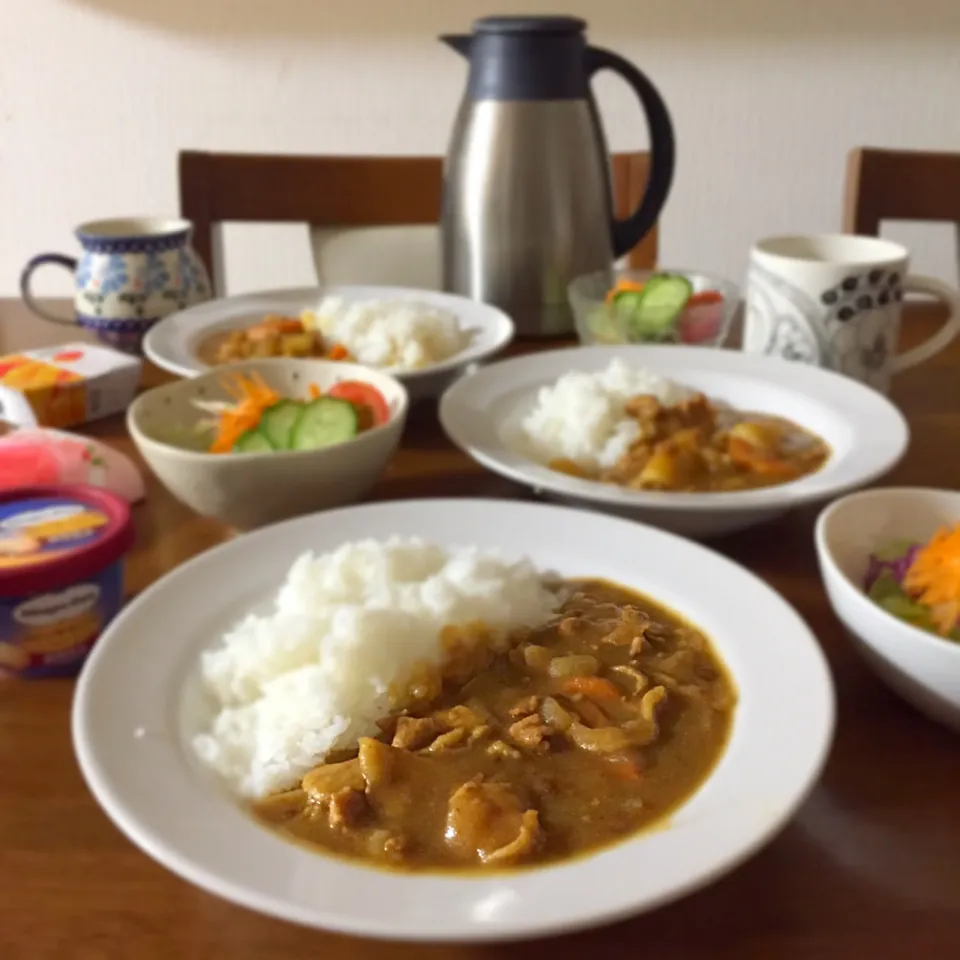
(279, 422)
(325, 422)
(253, 441)
(319, 423)
(628, 300)
(653, 315)
(663, 282)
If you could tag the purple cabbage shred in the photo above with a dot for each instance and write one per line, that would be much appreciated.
(897, 567)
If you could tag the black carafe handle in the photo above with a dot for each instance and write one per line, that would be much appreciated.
(629, 232)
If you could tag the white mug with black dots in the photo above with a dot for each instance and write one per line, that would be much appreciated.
(834, 300)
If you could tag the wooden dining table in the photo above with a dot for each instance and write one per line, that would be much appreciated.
(868, 869)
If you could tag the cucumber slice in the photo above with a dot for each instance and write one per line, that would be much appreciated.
(628, 300)
(253, 441)
(627, 304)
(324, 422)
(653, 311)
(278, 422)
(603, 326)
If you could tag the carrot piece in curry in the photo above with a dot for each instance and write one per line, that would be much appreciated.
(626, 769)
(594, 687)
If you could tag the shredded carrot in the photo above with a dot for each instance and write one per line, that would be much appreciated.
(623, 286)
(934, 578)
(594, 687)
(231, 389)
(338, 352)
(315, 392)
(253, 397)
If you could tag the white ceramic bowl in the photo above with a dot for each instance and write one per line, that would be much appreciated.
(138, 704)
(867, 434)
(172, 343)
(922, 668)
(251, 489)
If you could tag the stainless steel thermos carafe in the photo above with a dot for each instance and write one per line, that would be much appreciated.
(527, 202)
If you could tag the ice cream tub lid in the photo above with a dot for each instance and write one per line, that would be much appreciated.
(51, 536)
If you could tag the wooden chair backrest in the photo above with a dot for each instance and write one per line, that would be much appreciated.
(345, 192)
(899, 185)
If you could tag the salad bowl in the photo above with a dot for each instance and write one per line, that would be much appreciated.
(869, 534)
(257, 481)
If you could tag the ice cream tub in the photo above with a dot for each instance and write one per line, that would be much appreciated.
(61, 575)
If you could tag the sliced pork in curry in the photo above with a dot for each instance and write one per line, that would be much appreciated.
(570, 737)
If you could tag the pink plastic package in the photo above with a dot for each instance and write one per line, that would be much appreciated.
(38, 456)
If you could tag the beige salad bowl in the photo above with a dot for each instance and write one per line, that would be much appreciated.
(253, 489)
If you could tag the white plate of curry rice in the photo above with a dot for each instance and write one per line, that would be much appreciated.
(454, 719)
(699, 442)
(424, 338)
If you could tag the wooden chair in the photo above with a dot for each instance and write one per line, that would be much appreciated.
(900, 185)
(343, 193)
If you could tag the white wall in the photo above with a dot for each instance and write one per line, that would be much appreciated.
(96, 97)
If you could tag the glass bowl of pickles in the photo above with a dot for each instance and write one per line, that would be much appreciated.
(653, 306)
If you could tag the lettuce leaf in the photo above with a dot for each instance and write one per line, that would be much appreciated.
(893, 559)
(886, 591)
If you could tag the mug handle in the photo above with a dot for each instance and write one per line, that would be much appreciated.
(38, 261)
(941, 339)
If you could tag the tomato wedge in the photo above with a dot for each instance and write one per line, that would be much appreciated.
(704, 298)
(362, 394)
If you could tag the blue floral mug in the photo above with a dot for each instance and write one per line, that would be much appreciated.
(132, 273)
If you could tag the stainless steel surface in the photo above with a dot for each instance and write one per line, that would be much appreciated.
(527, 207)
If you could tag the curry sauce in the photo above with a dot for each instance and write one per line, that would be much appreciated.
(571, 737)
(273, 336)
(696, 446)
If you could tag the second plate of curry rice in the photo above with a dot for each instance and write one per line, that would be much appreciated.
(700, 442)
(454, 719)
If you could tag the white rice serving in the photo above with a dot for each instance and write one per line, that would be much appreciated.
(313, 675)
(581, 417)
(399, 334)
